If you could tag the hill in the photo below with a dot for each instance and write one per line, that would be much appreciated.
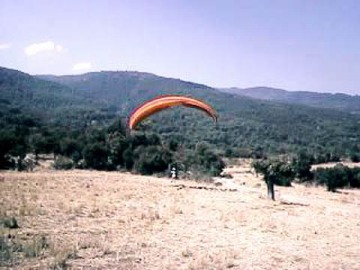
(126, 89)
(24, 90)
(246, 127)
(245, 124)
(337, 101)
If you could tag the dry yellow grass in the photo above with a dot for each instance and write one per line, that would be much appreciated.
(110, 220)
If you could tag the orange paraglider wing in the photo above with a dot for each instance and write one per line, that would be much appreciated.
(163, 102)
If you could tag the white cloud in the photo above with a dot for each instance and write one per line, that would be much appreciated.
(4, 46)
(48, 46)
(82, 66)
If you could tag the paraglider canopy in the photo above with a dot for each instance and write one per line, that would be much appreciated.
(163, 102)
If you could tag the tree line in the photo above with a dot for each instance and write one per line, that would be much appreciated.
(284, 172)
(101, 147)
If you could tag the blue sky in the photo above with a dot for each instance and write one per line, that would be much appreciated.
(294, 45)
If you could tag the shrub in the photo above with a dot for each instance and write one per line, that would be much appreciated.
(96, 156)
(35, 247)
(128, 157)
(152, 159)
(204, 160)
(63, 163)
(10, 223)
(354, 180)
(301, 166)
(355, 157)
(333, 178)
(6, 251)
(281, 172)
(117, 145)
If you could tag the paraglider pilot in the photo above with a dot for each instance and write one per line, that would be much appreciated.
(173, 173)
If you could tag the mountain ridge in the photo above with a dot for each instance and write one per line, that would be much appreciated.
(117, 87)
(248, 125)
(340, 101)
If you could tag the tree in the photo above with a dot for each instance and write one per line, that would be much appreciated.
(128, 157)
(301, 166)
(152, 159)
(7, 142)
(337, 177)
(117, 146)
(274, 172)
(355, 157)
(12, 144)
(205, 160)
(71, 148)
(96, 156)
(38, 143)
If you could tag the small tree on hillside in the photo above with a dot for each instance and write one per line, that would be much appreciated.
(336, 177)
(275, 173)
(151, 159)
(96, 156)
(301, 166)
(205, 160)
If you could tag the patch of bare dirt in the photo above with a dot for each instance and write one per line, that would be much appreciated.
(333, 164)
(110, 220)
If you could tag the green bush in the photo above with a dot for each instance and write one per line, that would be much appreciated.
(204, 159)
(128, 157)
(71, 148)
(35, 247)
(96, 156)
(6, 251)
(280, 172)
(355, 157)
(117, 146)
(63, 163)
(13, 249)
(301, 166)
(336, 177)
(354, 179)
(10, 223)
(152, 159)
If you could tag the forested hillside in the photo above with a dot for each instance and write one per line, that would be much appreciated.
(337, 101)
(68, 115)
(125, 90)
(246, 126)
(24, 90)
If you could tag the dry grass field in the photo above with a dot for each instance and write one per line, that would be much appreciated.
(110, 220)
